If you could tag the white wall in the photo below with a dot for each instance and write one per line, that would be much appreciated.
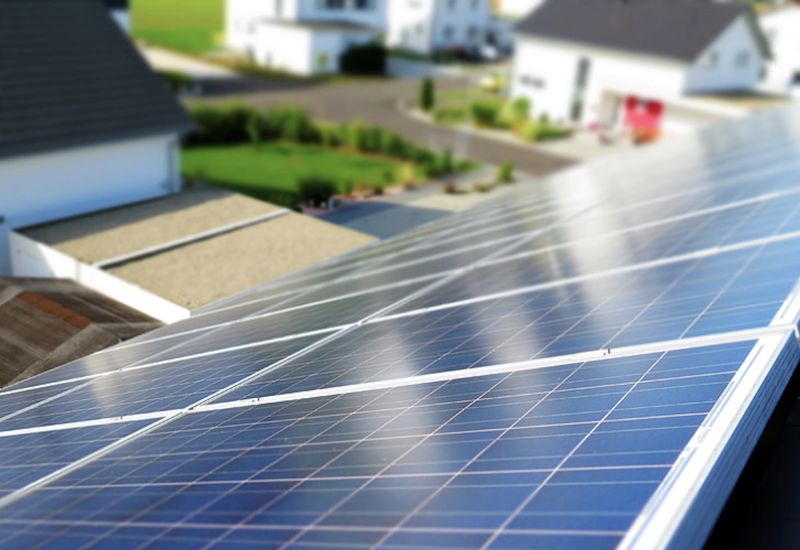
(782, 29)
(545, 72)
(33, 259)
(409, 25)
(284, 47)
(45, 187)
(519, 8)
(460, 16)
(242, 17)
(421, 25)
(720, 68)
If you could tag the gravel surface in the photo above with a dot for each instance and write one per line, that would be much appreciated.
(206, 271)
(111, 233)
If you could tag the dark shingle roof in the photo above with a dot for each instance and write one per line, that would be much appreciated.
(675, 29)
(69, 77)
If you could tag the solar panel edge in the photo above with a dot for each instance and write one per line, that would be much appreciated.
(682, 512)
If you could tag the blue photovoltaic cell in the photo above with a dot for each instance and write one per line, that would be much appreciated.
(288, 323)
(29, 457)
(163, 387)
(720, 293)
(109, 360)
(14, 401)
(543, 458)
(561, 454)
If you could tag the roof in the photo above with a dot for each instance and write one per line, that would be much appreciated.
(198, 246)
(674, 29)
(48, 322)
(71, 78)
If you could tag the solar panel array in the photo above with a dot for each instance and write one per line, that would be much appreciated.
(584, 363)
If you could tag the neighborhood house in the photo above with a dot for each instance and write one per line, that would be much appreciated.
(74, 137)
(635, 64)
(308, 37)
(782, 29)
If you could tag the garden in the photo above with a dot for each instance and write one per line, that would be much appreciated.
(191, 26)
(487, 110)
(282, 156)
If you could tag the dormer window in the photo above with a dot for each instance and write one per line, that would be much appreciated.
(709, 60)
(742, 59)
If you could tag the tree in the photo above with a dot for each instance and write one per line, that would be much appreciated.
(253, 129)
(427, 95)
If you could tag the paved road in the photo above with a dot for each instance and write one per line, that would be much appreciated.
(377, 102)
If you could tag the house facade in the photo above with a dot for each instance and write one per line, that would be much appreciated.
(425, 26)
(638, 65)
(78, 141)
(304, 37)
(782, 30)
(308, 36)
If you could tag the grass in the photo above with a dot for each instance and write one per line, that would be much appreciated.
(272, 172)
(192, 26)
(453, 106)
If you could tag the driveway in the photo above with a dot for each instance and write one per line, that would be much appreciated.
(377, 102)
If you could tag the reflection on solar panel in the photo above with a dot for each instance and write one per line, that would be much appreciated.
(585, 363)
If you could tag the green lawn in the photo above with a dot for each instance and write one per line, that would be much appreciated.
(271, 173)
(192, 26)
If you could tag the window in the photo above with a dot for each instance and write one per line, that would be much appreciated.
(742, 59)
(278, 8)
(474, 4)
(579, 96)
(472, 34)
(448, 33)
(531, 81)
(420, 29)
(709, 60)
(451, 4)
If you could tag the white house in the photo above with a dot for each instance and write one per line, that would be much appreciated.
(308, 36)
(302, 36)
(424, 26)
(782, 29)
(84, 126)
(635, 64)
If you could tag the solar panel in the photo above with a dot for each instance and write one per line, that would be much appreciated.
(585, 363)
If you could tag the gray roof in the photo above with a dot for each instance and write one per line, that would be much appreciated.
(674, 29)
(69, 77)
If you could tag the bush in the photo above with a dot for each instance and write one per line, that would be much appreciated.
(521, 108)
(316, 190)
(529, 131)
(484, 113)
(215, 125)
(177, 81)
(547, 133)
(427, 93)
(291, 124)
(331, 135)
(505, 172)
(483, 187)
(450, 188)
(365, 59)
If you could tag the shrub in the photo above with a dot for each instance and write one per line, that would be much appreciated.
(547, 133)
(483, 187)
(215, 125)
(292, 124)
(529, 131)
(450, 115)
(450, 188)
(392, 145)
(520, 107)
(346, 187)
(364, 59)
(331, 135)
(254, 127)
(505, 172)
(177, 81)
(427, 94)
(484, 113)
(316, 190)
